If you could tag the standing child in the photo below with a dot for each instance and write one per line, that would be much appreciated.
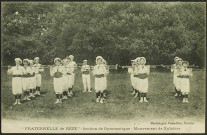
(16, 72)
(57, 72)
(174, 69)
(185, 73)
(99, 72)
(39, 70)
(86, 76)
(26, 79)
(136, 78)
(105, 76)
(178, 82)
(32, 78)
(131, 72)
(72, 66)
(65, 79)
(143, 74)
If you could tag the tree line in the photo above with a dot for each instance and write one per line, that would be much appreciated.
(118, 31)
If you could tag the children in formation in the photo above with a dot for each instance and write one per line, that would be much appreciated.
(181, 78)
(16, 72)
(27, 78)
(24, 79)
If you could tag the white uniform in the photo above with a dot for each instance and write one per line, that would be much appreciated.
(86, 77)
(72, 65)
(132, 78)
(69, 76)
(105, 78)
(32, 78)
(65, 78)
(185, 82)
(142, 84)
(99, 72)
(38, 76)
(175, 73)
(16, 72)
(26, 78)
(57, 82)
(177, 79)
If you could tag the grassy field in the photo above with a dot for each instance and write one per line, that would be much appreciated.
(119, 103)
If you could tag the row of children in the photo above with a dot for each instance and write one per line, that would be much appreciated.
(62, 74)
(181, 75)
(25, 79)
(139, 73)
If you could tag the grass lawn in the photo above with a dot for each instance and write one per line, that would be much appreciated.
(119, 103)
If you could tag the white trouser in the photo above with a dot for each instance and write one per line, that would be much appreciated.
(143, 85)
(185, 85)
(73, 78)
(32, 82)
(38, 80)
(25, 83)
(16, 85)
(69, 81)
(58, 85)
(86, 81)
(99, 84)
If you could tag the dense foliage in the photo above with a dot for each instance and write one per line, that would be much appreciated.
(119, 31)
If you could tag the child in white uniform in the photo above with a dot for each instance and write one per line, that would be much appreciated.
(65, 78)
(131, 72)
(178, 82)
(136, 78)
(39, 70)
(185, 74)
(32, 78)
(71, 67)
(143, 73)
(26, 79)
(57, 73)
(174, 68)
(99, 72)
(16, 72)
(105, 77)
(86, 76)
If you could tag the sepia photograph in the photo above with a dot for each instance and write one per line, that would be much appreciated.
(103, 67)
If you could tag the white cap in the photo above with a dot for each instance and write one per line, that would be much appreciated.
(36, 58)
(99, 57)
(26, 60)
(57, 59)
(31, 61)
(143, 59)
(65, 60)
(18, 59)
(71, 57)
(84, 60)
(185, 62)
(176, 58)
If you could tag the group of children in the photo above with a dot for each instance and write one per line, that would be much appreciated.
(139, 73)
(26, 79)
(63, 74)
(63, 81)
(181, 75)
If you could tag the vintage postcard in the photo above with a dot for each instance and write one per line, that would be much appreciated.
(103, 67)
